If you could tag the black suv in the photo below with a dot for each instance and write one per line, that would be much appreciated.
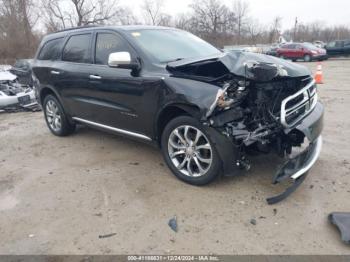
(338, 48)
(206, 110)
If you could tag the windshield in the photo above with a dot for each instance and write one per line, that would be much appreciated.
(168, 45)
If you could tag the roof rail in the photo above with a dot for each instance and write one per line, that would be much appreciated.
(77, 27)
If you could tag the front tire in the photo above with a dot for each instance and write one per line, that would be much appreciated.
(189, 152)
(307, 58)
(55, 117)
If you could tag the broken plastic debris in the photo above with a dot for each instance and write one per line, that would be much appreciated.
(106, 236)
(342, 221)
(173, 224)
(253, 221)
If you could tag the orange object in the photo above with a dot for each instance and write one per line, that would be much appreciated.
(319, 74)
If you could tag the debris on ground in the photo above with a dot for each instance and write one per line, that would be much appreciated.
(253, 221)
(342, 221)
(106, 236)
(173, 224)
(275, 211)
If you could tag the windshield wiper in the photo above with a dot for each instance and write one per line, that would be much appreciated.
(174, 60)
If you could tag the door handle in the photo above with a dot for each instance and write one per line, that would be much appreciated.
(94, 77)
(55, 72)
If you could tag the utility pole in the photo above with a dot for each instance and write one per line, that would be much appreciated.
(295, 29)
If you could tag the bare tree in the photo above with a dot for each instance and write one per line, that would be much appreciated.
(62, 14)
(212, 20)
(255, 31)
(125, 17)
(154, 15)
(275, 29)
(17, 19)
(240, 9)
(183, 21)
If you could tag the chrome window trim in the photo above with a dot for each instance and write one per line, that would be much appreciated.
(308, 97)
(117, 130)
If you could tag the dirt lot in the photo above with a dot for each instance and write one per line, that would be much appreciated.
(57, 195)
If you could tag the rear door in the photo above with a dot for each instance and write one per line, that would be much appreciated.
(299, 51)
(50, 52)
(292, 51)
(71, 74)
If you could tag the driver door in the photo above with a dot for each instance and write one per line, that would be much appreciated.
(117, 97)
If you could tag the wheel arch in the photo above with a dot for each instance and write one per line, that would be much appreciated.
(48, 91)
(171, 111)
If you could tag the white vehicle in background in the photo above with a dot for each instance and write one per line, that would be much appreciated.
(14, 95)
(319, 44)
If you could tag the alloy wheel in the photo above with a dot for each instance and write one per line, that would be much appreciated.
(53, 116)
(190, 151)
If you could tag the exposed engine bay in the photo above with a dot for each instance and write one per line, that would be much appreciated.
(250, 113)
(15, 96)
(258, 107)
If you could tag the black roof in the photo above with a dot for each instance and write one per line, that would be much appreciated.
(62, 33)
(121, 27)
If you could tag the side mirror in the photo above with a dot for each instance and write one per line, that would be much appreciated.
(122, 60)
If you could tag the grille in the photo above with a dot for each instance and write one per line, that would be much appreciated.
(295, 107)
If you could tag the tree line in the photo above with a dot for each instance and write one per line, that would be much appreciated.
(24, 22)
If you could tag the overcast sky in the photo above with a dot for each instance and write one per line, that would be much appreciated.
(329, 11)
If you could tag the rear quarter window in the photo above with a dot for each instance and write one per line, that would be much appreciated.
(51, 49)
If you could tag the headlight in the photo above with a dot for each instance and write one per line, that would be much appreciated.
(314, 52)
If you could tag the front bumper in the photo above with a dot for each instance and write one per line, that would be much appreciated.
(17, 100)
(296, 168)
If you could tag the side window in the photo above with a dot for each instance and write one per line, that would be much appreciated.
(77, 49)
(331, 44)
(347, 43)
(107, 43)
(292, 46)
(339, 44)
(51, 50)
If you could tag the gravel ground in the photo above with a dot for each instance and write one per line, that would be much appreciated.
(58, 195)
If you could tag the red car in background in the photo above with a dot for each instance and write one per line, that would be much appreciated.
(305, 51)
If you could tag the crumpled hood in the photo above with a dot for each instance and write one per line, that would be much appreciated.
(7, 76)
(249, 65)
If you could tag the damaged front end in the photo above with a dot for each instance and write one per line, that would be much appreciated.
(14, 96)
(263, 105)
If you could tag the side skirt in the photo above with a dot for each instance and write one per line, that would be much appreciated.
(113, 129)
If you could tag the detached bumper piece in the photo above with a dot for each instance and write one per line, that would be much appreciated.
(296, 170)
(342, 221)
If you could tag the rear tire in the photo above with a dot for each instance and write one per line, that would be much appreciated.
(55, 117)
(189, 152)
